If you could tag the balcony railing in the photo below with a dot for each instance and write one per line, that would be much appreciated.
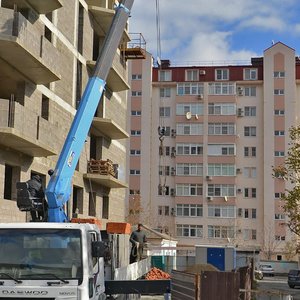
(23, 48)
(25, 131)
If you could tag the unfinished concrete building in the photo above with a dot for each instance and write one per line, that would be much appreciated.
(47, 52)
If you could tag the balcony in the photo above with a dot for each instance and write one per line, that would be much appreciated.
(108, 128)
(102, 18)
(24, 53)
(104, 172)
(41, 7)
(136, 48)
(117, 79)
(23, 130)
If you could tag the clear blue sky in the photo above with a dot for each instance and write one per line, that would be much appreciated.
(216, 30)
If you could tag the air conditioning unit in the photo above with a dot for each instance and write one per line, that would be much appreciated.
(200, 97)
(173, 212)
(240, 112)
(238, 170)
(208, 178)
(202, 72)
(239, 190)
(209, 198)
(173, 152)
(172, 192)
(240, 91)
(173, 133)
(173, 171)
(239, 231)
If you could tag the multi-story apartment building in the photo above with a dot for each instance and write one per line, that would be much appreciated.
(204, 141)
(48, 51)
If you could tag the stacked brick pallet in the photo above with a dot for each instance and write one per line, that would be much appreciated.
(102, 167)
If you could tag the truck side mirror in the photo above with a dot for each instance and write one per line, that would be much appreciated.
(98, 249)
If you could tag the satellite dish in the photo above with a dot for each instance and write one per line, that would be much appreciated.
(188, 115)
(196, 117)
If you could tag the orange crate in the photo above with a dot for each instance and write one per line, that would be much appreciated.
(116, 227)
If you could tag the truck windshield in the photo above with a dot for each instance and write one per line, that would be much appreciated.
(34, 253)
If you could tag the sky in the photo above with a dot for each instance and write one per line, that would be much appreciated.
(213, 31)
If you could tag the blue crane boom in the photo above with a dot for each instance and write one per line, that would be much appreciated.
(59, 189)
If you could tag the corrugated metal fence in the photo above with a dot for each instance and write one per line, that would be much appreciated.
(208, 285)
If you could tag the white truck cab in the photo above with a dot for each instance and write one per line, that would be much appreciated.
(51, 261)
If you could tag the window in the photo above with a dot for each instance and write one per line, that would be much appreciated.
(218, 211)
(189, 169)
(250, 74)
(163, 190)
(92, 204)
(220, 190)
(278, 195)
(221, 88)
(45, 108)
(105, 207)
(221, 170)
(253, 213)
(278, 74)
(194, 108)
(136, 113)
(250, 111)
(164, 111)
(191, 75)
(189, 149)
(279, 238)
(190, 89)
(222, 109)
(221, 128)
(279, 132)
(222, 74)
(189, 210)
(165, 92)
(278, 112)
(189, 129)
(250, 91)
(11, 175)
(183, 230)
(77, 200)
(135, 132)
(189, 189)
(249, 131)
(279, 217)
(135, 152)
(279, 153)
(221, 149)
(136, 76)
(164, 75)
(163, 210)
(164, 170)
(135, 172)
(136, 93)
(220, 231)
(249, 172)
(279, 92)
(250, 151)
(250, 192)
(249, 234)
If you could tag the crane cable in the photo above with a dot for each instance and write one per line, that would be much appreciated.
(161, 127)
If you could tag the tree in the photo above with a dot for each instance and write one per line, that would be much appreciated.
(290, 172)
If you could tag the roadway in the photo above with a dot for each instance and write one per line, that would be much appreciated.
(276, 285)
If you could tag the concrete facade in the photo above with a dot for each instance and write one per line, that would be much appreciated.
(46, 61)
(208, 178)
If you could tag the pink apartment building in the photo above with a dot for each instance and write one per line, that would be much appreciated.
(203, 143)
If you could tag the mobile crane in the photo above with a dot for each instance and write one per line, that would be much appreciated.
(59, 259)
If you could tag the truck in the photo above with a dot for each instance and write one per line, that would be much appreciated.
(57, 258)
